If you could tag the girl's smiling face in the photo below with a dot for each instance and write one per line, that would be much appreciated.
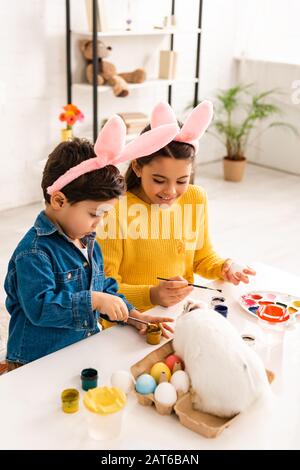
(163, 180)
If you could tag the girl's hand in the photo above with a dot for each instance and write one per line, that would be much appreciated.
(169, 293)
(238, 277)
(111, 305)
(150, 319)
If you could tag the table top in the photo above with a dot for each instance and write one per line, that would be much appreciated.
(30, 408)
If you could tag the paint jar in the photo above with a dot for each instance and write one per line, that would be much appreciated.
(249, 339)
(222, 309)
(217, 301)
(154, 333)
(89, 378)
(70, 400)
(104, 411)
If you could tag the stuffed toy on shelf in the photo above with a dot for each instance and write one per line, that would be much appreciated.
(107, 72)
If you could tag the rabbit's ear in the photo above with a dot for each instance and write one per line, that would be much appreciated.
(148, 143)
(197, 123)
(162, 114)
(111, 140)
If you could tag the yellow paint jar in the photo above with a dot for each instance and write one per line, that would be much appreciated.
(70, 400)
(154, 333)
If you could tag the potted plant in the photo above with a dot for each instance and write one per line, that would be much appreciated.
(234, 131)
(70, 116)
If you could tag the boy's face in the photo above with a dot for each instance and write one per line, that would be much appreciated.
(80, 219)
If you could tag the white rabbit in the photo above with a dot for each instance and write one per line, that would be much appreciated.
(226, 375)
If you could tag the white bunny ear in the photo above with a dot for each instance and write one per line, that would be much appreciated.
(148, 143)
(162, 114)
(197, 123)
(111, 140)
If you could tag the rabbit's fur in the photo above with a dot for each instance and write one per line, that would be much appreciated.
(226, 374)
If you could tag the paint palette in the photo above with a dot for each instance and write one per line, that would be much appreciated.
(273, 307)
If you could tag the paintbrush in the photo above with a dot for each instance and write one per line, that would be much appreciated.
(194, 285)
(105, 317)
(138, 320)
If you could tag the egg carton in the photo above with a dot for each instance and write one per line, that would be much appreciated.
(202, 423)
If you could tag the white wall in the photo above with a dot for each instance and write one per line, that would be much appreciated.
(216, 65)
(268, 43)
(269, 30)
(276, 147)
(32, 90)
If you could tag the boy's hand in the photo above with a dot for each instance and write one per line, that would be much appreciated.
(150, 319)
(111, 305)
(235, 279)
(169, 293)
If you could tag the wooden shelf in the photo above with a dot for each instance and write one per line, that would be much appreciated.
(86, 87)
(146, 32)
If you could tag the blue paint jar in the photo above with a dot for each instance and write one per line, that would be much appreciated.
(89, 378)
(222, 309)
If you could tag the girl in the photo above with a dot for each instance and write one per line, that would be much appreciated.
(160, 228)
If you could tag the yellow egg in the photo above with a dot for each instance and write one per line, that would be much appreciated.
(158, 368)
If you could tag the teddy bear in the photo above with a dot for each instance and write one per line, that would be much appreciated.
(107, 72)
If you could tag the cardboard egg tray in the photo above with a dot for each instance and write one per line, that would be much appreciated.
(202, 423)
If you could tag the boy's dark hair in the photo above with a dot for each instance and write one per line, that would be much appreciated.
(98, 185)
(178, 150)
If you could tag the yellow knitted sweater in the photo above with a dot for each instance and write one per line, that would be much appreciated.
(144, 241)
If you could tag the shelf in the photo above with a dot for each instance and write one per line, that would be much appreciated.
(146, 32)
(134, 86)
(89, 135)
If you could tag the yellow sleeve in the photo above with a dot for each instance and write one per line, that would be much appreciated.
(112, 250)
(206, 261)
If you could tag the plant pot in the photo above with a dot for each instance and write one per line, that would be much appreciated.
(66, 134)
(234, 169)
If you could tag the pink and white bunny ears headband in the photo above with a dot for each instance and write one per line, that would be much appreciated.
(194, 126)
(110, 148)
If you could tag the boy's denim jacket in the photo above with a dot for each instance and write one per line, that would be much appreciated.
(49, 285)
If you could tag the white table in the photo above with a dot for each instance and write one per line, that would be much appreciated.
(31, 417)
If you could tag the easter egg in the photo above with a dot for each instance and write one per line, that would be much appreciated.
(165, 394)
(237, 268)
(181, 381)
(158, 368)
(172, 359)
(145, 384)
(123, 380)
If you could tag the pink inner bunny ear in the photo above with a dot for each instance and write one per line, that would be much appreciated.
(149, 142)
(162, 114)
(197, 123)
(111, 140)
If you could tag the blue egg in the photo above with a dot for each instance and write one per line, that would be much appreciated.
(145, 384)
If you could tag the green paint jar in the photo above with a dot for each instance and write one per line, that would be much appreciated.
(89, 378)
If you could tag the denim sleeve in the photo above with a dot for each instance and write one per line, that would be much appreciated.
(40, 300)
(111, 287)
